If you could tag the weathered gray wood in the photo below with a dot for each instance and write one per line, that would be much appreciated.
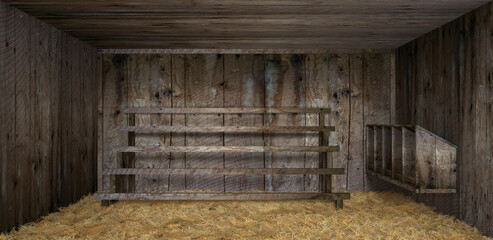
(223, 171)
(203, 78)
(239, 129)
(220, 196)
(231, 24)
(233, 110)
(244, 87)
(356, 159)
(215, 149)
(178, 93)
(397, 152)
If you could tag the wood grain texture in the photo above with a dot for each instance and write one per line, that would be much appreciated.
(285, 84)
(39, 68)
(451, 67)
(244, 87)
(236, 24)
(356, 159)
(178, 91)
(335, 81)
(205, 88)
(220, 196)
(222, 171)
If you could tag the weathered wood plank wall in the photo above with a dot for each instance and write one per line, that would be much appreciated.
(47, 116)
(355, 86)
(444, 84)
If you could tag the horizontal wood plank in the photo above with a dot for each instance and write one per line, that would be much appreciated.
(221, 196)
(222, 171)
(230, 149)
(224, 110)
(260, 129)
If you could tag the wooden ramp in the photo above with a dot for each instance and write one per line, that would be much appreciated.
(411, 157)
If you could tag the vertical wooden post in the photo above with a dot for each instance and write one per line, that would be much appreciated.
(130, 157)
(325, 158)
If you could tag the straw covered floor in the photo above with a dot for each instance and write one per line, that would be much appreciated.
(366, 216)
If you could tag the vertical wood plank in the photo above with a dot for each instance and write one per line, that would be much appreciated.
(317, 95)
(150, 86)
(100, 139)
(339, 102)
(425, 159)
(54, 121)
(10, 180)
(114, 93)
(178, 160)
(386, 151)
(204, 83)
(22, 115)
(355, 170)
(285, 87)
(408, 156)
(397, 153)
(244, 87)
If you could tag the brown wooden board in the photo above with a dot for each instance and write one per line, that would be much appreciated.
(218, 110)
(178, 93)
(149, 86)
(8, 111)
(222, 171)
(408, 156)
(387, 151)
(220, 196)
(339, 101)
(397, 150)
(370, 148)
(244, 87)
(114, 92)
(276, 25)
(228, 149)
(231, 128)
(425, 160)
(356, 160)
(204, 88)
(378, 143)
(285, 84)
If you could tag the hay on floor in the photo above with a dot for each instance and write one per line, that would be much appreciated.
(365, 216)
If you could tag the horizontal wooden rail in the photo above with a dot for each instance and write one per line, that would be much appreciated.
(220, 196)
(222, 171)
(224, 110)
(231, 149)
(287, 129)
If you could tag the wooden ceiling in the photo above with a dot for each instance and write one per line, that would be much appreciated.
(247, 24)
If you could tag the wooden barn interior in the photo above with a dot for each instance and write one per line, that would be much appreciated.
(332, 102)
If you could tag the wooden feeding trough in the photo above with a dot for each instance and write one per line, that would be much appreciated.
(123, 183)
(411, 157)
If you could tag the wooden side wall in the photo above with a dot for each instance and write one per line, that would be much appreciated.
(48, 122)
(444, 84)
(355, 86)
